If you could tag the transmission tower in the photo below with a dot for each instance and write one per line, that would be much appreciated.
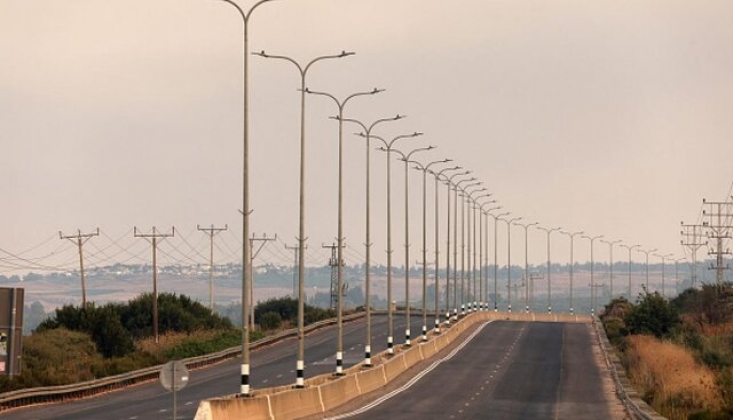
(692, 239)
(263, 240)
(154, 238)
(333, 262)
(719, 224)
(211, 232)
(80, 239)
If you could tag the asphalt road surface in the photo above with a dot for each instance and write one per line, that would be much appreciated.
(272, 366)
(512, 370)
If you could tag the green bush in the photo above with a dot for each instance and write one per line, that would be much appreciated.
(270, 321)
(652, 315)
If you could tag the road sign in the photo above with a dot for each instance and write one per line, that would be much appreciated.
(174, 376)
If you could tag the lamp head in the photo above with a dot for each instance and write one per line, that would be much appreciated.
(346, 54)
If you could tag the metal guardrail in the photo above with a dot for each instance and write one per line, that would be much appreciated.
(62, 393)
(636, 407)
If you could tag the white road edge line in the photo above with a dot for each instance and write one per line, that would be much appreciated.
(412, 381)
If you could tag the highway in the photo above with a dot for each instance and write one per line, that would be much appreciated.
(512, 370)
(271, 366)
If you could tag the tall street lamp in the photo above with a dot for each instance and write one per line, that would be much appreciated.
(572, 263)
(457, 187)
(549, 231)
(437, 175)
(664, 258)
(471, 212)
(610, 265)
(246, 272)
(449, 183)
(388, 148)
(424, 168)
(509, 223)
(484, 253)
(368, 244)
(630, 248)
(592, 280)
(496, 218)
(526, 227)
(406, 158)
(647, 252)
(466, 242)
(303, 70)
(339, 264)
(477, 286)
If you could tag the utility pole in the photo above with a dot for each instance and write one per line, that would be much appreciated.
(154, 238)
(692, 239)
(80, 239)
(296, 255)
(211, 232)
(718, 224)
(263, 240)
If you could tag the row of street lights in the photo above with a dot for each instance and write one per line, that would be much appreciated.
(472, 193)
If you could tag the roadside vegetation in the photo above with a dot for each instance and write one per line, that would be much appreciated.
(77, 344)
(678, 353)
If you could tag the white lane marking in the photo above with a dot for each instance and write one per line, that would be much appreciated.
(412, 381)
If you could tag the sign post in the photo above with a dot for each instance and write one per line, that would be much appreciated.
(174, 377)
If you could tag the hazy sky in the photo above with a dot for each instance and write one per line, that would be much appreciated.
(612, 117)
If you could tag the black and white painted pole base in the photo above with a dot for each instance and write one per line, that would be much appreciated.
(496, 308)
(463, 309)
(526, 309)
(455, 314)
(390, 345)
(436, 329)
(244, 389)
(509, 308)
(407, 338)
(368, 356)
(299, 381)
(424, 333)
(571, 311)
(447, 318)
(339, 363)
(469, 310)
(549, 310)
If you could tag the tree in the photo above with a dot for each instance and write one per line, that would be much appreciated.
(652, 315)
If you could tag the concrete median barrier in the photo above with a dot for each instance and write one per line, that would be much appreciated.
(428, 349)
(234, 408)
(339, 391)
(371, 379)
(295, 403)
(413, 356)
(394, 367)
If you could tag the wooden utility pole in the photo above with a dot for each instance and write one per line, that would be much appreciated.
(154, 239)
(211, 232)
(80, 239)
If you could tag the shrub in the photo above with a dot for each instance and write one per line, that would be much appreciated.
(652, 315)
(270, 321)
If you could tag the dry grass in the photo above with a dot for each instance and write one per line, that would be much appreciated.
(669, 377)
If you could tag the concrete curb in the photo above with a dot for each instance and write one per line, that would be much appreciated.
(636, 407)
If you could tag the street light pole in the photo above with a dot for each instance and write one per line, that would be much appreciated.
(526, 227)
(496, 257)
(509, 258)
(610, 265)
(630, 248)
(424, 169)
(549, 266)
(664, 258)
(477, 283)
(449, 183)
(246, 272)
(437, 176)
(341, 104)
(592, 280)
(466, 242)
(647, 252)
(572, 263)
(483, 254)
(406, 159)
(457, 187)
(368, 244)
(388, 148)
(303, 70)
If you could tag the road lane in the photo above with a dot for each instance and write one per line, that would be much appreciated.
(512, 370)
(272, 366)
